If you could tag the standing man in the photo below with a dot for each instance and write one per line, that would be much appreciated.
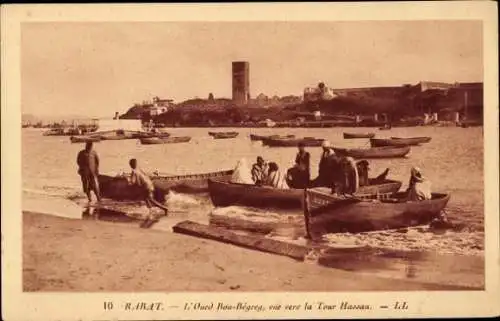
(303, 163)
(88, 168)
(139, 178)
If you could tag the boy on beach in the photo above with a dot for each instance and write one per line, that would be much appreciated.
(139, 178)
(88, 169)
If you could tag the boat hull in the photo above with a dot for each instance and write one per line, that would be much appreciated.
(164, 140)
(327, 214)
(292, 142)
(360, 135)
(413, 140)
(84, 139)
(260, 137)
(227, 194)
(116, 187)
(223, 135)
(398, 142)
(374, 152)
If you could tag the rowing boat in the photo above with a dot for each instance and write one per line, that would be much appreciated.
(223, 135)
(382, 142)
(117, 187)
(261, 137)
(164, 140)
(326, 213)
(84, 139)
(373, 152)
(225, 193)
(293, 142)
(413, 140)
(358, 135)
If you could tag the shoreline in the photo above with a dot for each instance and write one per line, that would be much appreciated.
(63, 254)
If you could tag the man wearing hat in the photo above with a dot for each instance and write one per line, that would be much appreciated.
(302, 162)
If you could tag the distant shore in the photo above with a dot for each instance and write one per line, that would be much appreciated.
(61, 254)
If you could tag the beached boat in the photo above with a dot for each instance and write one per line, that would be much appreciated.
(293, 142)
(373, 152)
(117, 187)
(225, 193)
(358, 135)
(84, 139)
(381, 142)
(164, 140)
(261, 137)
(326, 213)
(223, 135)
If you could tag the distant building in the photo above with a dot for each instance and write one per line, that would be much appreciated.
(321, 92)
(241, 82)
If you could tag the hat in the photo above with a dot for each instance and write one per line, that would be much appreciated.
(326, 144)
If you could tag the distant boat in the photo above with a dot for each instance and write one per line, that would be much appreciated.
(327, 213)
(358, 135)
(84, 139)
(293, 142)
(223, 135)
(262, 137)
(164, 140)
(373, 152)
(413, 140)
(381, 142)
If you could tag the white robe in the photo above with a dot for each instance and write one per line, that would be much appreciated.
(242, 173)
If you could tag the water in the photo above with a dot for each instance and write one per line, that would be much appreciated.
(453, 161)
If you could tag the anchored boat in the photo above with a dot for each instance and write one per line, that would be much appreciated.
(382, 142)
(358, 135)
(373, 152)
(164, 140)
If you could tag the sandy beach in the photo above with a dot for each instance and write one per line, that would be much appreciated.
(61, 254)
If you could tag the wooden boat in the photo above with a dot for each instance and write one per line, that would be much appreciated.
(373, 152)
(261, 137)
(84, 139)
(293, 142)
(227, 194)
(164, 140)
(117, 134)
(117, 187)
(151, 134)
(326, 213)
(413, 140)
(381, 142)
(223, 135)
(358, 135)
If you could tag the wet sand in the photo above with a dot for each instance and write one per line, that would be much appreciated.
(62, 254)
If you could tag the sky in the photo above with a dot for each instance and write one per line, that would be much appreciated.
(97, 68)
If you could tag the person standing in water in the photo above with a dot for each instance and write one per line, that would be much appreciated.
(88, 169)
(141, 179)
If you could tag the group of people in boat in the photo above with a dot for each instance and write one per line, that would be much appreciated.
(342, 174)
(88, 169)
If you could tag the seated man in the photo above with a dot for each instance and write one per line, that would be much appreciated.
(419, 188)
(259, 171)
(275, 178)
